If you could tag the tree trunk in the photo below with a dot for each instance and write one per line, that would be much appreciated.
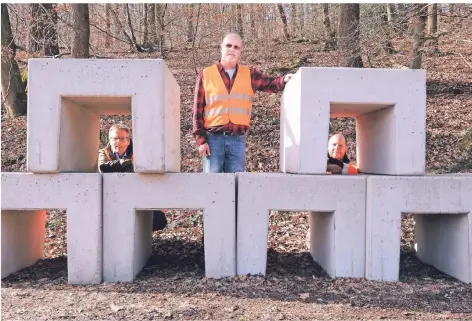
(252, 17)
(349, 48)
(13, 89)
(386, 26)
(81, 30)
(330, 42)
(34, 28)
(190, 8)
(152, 23)
(160, 14)
(433, 27)
(108, 25)
(145, 26)
(419, 21)
(283, 17)
(51, 45)
(130, 25)
(239, 13)
(293, 19)
(389, 12)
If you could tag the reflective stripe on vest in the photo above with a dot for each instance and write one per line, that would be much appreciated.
(222, 107)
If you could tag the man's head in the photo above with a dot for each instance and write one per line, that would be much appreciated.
(119, 136)
(231, 48)
(337, 146)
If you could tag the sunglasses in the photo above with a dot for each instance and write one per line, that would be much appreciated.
(236, 47)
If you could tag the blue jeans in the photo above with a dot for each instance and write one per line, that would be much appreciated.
(227, 154)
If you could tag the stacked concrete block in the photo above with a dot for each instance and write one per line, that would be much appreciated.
(67, 97)
(337, 220)
(442, 206)
(390, 111)
(26, 196)
(127, 219)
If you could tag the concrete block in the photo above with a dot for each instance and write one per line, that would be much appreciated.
(337, 224)
(390, 111)
(22, 239)
(79, 194)
(127, 235)
(442, 206)
(67, 96)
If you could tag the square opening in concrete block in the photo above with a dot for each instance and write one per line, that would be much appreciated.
(178, 248)
(375, 139)
(433, 246)
(79, 136)
(170, 243)
(289, 244)
(34, 245)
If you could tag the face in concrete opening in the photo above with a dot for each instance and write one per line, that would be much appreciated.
(119, 141)
(337, 146)
(231, 49)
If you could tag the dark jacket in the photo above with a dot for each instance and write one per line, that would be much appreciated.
(336, 166)
(109, 163)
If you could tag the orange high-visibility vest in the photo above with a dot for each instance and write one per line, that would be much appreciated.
(222, 107)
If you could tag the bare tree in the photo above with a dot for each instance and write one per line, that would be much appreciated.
(389, 12)
(145, 26)
(283, 17)
(34, 28)
(190, 10)
(152, 23)
(81, 30)
(239, 13)
(330, 33)
(433, 27)
(13, 89)
(349, 48)
(51, 45)
(107, 25)
(419, 22)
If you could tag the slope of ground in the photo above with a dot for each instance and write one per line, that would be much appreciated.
(173, 286)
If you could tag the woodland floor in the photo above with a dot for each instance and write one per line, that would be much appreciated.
(173, 286)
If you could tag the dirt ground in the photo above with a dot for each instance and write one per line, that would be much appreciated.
(172, 286)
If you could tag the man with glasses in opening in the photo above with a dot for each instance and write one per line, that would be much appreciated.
(222, 107)
(117, 157)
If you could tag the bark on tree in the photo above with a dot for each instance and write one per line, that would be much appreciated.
(81, 30)
(293, 19)
(386, 24)
(349, 48)
(190, 30)
(34, 28)
(330, 34)
(419, 22)
(130, 25)
(160, 15)
(51, 45)
(389, 12)
(108, 25)
(283, 17)
(152, 23)
(145, 26)
(433, 27)
(239, 13)
(13, 89)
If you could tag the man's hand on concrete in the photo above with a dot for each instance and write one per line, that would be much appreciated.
(204, 150)
(125, 162)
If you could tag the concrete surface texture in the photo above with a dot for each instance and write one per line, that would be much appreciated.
(26, 195)
(127, 234)
(337, 222)
(443, 231)
(67, 97)
(390, 111)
